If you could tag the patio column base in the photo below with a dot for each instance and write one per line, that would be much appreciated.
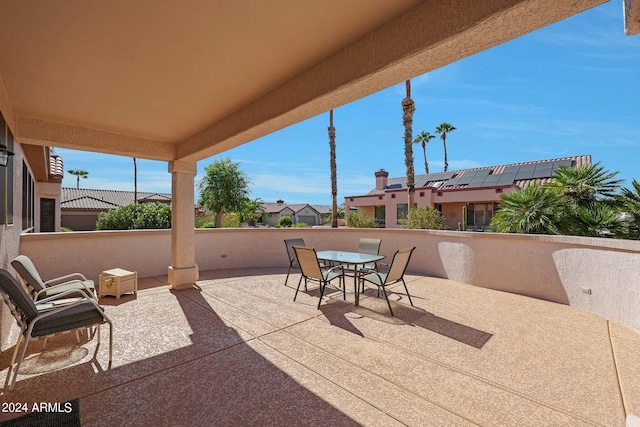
(183, 278)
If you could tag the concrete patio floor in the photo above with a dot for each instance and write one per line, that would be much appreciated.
(238, 351)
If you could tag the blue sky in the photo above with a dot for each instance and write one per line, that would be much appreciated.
(567, 89)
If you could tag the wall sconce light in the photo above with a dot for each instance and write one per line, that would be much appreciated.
(4, 155)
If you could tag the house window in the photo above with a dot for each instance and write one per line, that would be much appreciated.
(6, 176)
(480, 214)
(379, 212)
(28, 199)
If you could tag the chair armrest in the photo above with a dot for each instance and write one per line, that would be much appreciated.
(336, 267)
(386, 265)
(88, 290)
(67, 278)
(64, 295)
(50, 312)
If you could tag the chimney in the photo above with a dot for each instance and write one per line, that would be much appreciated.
(381, 179)
(279, 202)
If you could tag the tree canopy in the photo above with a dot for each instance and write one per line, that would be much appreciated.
(223, 188)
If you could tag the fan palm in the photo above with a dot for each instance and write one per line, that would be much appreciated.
(586, 183)
(534, 209)
(424, 138)
(443, 129)
(629, 200)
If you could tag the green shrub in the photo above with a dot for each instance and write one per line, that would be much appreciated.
(130, 217)
(230, 220)
(285, 221)
(301, 225)
(424, 218)
(206, 219)
(361, 220)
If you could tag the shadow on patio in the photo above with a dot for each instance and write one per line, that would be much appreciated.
(236, 350)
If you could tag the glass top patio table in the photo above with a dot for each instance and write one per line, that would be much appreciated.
(354, 258)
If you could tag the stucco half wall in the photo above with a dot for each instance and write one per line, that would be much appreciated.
(597, 275)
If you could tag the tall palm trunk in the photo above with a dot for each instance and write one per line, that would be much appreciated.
(444, 142)
(408, 108)
(424, 151)
(135, 182)
(334, 178)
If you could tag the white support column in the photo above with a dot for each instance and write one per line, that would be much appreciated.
(183, 272)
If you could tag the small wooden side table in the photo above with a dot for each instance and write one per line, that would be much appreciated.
(117, 282)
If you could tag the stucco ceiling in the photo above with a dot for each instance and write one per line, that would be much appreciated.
(187, 79)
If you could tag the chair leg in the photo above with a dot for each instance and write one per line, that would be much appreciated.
(407, 290)
(298, 288)
(288, 271)
(384, 291)
(22, 353)
(15, 350)
(322, 287)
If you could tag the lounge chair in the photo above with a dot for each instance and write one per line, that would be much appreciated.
(394, 275)
(44, 317)
(41, 289)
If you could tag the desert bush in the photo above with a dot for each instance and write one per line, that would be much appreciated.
(424, 218)
(230, 220)
(301, 225)
(361, 220)
(130, 217)
(285, 221)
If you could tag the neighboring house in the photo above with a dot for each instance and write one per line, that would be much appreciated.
(298, 212)
(473, 193)
(81, 206)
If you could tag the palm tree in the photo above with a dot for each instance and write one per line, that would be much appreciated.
(424, 138)
(135, 182)
(79, 173)
(443, 129)
(535, 209)
(334, 179)
(586, 183)
(408, 108)
(630, 203)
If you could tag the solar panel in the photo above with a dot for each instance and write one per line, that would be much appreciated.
(524, 174)
(466, 178)
(447, 175)
(542, 172)
(562, 163)
(507, 178)
(483, 173)
(527, 167)
(452, 181)
(492, 179)
(511, 169)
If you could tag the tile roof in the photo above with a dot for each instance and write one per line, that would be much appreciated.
(90, 199)
(278, 207)
(440, 180)
(56, 166)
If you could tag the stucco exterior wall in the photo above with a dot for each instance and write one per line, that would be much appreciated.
(79, 220)
(10, 234)
(452, 214)
(597, 275)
